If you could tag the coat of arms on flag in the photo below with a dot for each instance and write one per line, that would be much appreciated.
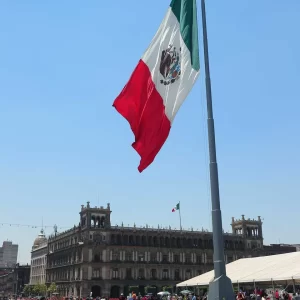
(170, 65)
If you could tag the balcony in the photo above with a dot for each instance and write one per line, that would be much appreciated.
(63, 264)
(141, 278)
(62, 280)
(116, 261)
(75, 278)
(153, 278)
(97, 278)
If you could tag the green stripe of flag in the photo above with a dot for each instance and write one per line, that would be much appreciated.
(186, 14)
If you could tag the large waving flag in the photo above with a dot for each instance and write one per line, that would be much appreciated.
(162, 80)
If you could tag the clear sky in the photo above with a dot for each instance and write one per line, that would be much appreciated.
(61, 66)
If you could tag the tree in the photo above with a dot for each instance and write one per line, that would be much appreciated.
(40, 289)
(27, 290)
(36, 289)
(52, 288)
(133, 288)
(168, 289)
(43, 289)
(150, 289)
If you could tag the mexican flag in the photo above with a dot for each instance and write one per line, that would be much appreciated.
(161, 80)
(177, 207)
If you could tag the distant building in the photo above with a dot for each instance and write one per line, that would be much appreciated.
(8, 254)
(13, 282)
(297, 246)
(39, 259)
(108, 260)
(251, 231)
(274, 249)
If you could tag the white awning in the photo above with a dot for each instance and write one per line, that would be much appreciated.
(276, 268)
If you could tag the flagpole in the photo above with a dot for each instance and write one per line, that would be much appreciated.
(220, 287)
(180, 216)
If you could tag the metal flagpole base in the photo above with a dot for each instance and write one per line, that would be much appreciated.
(221, 289)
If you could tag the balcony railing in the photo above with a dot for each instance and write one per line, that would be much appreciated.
(141, 278)
(96, 278)
(65, 263)
(153, 278)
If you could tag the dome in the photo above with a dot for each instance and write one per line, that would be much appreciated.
(41, 239)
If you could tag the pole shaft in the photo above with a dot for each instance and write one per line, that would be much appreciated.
(219, 262)
(180, 216)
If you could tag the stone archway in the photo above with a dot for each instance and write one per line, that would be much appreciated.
(142, 290)
(126, 290)
(96, 291)
(115, 291)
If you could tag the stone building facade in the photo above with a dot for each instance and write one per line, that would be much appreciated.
(13, 282)
(39, 259)
(106, 260)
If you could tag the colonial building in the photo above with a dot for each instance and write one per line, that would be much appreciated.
(13, 282)
(106, 260)
(39, 259)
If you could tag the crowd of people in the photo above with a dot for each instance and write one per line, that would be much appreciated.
(256, 294)
(268, 294)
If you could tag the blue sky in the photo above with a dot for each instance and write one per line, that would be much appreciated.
(62, 144)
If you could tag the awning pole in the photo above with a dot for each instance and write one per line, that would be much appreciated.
(238, 286)
(273, 286)
(255, 289)
(294, 288)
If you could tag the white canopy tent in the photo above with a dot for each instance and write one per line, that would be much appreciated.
(272, 269)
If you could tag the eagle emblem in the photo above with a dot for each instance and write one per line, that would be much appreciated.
(170, 65)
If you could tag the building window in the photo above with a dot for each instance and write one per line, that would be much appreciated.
(188, 258)
(176, 258)
(128, 273)
(153, 274)
(165, 274)
(128, 256)
(188, 274)
(96, 273)
(204, 258)
(165, 258)
(141, 273)
(141, 257)
(153, 257)
(115, 274)
(177, 274)
(115, 255)
(97, 257)
(199, 272)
